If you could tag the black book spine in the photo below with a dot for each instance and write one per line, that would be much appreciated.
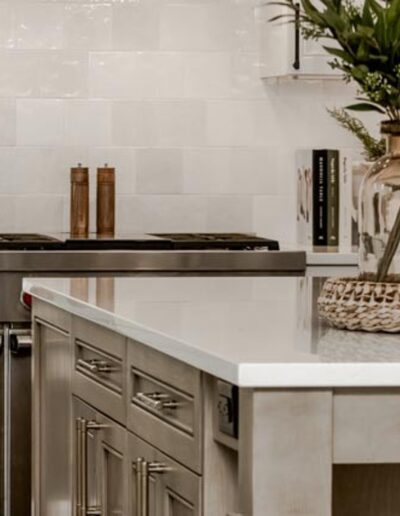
(320, 198)
(333, 198)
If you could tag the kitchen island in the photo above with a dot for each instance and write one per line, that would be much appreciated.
(220, 396)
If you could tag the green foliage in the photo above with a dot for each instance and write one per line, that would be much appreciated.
(373, 148)
(366, 45)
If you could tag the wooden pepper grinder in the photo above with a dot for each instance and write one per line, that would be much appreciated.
(79, 202)
(105, 202)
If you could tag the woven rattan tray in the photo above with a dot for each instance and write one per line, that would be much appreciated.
(353, 304)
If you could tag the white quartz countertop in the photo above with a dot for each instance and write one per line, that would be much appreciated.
(251, 331)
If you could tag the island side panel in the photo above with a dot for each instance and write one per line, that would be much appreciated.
(285, 452)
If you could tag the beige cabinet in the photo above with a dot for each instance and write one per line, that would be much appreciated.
(123, 429)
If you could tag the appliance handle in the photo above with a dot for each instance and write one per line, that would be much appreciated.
(20, 343)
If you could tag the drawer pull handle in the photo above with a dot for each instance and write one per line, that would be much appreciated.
(96, 366)
(156, 400)
(143, 470)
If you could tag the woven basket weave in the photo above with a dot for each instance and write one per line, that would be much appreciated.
(353, 304)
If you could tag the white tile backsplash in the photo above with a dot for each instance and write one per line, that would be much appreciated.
(196, 27)
(161, 213)
(7, 122)
(87, 26)
(271, 217)
(136, 26)
(38, 26)
(167, 91)
(37, 170)
(246, 123)
(136, 75)
(159, 123)
(40, 122)
(7, 26)
(208, 75)
(230, 171)
(62, 74)
(88, 122)
(159, 171)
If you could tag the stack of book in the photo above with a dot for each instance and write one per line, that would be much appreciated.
(328, 182)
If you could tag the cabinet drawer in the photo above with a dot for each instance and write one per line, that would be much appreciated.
(164, 403)
(164, 484)
(99, 376)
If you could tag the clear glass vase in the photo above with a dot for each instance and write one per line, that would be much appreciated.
(379, 212)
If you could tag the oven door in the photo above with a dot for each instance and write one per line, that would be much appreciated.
(15, 381)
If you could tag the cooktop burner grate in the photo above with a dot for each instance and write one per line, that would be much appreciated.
(28, 241)
(26, 237)
(235, 241)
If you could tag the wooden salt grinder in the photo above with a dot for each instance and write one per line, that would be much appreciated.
(79, 202)
(105, 201)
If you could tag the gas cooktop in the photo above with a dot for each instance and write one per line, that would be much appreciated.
(154, 241)
(28, 241)
(218, 241)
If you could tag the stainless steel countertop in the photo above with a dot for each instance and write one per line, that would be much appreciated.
(153, 261)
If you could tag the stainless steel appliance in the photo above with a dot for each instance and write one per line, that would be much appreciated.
(34, 255)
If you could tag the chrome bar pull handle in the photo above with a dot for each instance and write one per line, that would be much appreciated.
(141, 486)
(84, 472)
(156, 400)
(78, 458)
(93, 425)
(82, 477)
(143, 471)
(158, 468)
(96, 366)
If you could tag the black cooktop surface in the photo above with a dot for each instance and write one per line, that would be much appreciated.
(156, 241)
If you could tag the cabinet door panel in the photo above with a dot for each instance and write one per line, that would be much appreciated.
(177, 506)
(92, 478)
(105, 467)
(173, 491)
(113, 487)
(138, 448)
(53, 377)
(112, 446)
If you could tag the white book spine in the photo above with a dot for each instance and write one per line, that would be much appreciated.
(304, 197)
(345, 208)
(352, 171)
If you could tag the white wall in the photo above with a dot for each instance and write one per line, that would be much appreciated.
(168, 92)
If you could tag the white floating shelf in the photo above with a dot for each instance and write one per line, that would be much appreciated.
(333, 258)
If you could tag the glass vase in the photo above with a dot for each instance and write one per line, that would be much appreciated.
(379, 212)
